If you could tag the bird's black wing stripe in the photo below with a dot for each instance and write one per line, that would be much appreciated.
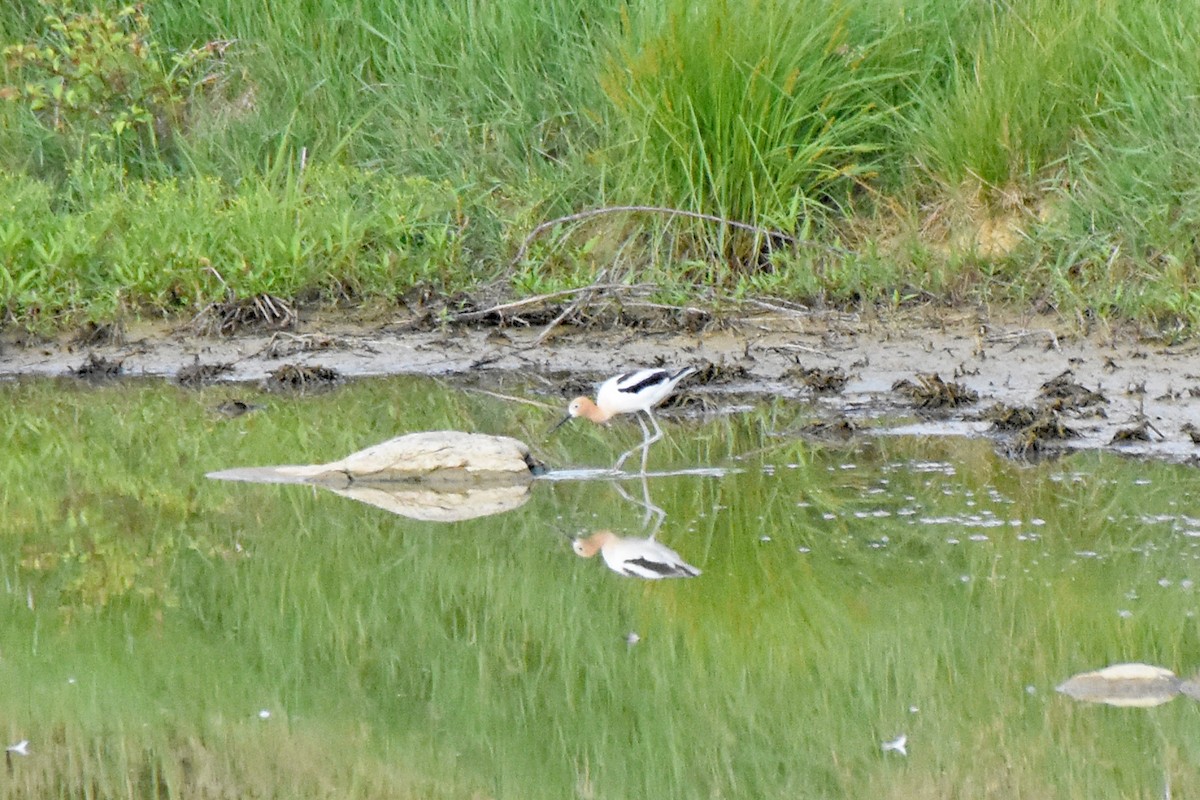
(653, 379)
(653, 566)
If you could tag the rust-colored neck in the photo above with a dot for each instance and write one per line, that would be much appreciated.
(584, 407)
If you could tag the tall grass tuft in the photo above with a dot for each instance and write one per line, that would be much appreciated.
(762, 112)
(1134, 193)
(1012, 84)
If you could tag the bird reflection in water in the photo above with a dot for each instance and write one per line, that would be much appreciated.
(635, 557)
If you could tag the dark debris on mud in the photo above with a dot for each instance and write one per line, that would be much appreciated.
(196, 374)
(722, 373)
(839, 429)
(820, 381)
(929, 391)
(302, 378)
(1191, 431)
(98, 368)
(1141, 431)
(262, 312)
(99, 334)
(1068, 395)
(1030, 430)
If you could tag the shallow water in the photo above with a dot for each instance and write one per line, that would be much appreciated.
(165, 634)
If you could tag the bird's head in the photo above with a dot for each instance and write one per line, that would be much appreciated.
(579, 407)
(588, 546)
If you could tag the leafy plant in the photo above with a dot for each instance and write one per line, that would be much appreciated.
(102, 86)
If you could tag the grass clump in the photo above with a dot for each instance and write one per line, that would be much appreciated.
(1011, 87)
(181, 244)
(763, 112)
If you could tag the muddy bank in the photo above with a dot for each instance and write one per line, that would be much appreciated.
(1036, 384)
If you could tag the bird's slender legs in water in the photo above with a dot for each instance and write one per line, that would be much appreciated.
(628, 453)
(647, 440)
(658, 434)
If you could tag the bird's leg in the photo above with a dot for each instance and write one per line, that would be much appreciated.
(646, 503)
(642, 446)
(649, 440)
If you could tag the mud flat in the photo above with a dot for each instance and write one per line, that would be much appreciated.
(1036, 384)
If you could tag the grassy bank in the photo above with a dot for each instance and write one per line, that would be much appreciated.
(157, 159)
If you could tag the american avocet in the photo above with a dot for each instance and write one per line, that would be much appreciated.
(630, 393)
(635, 558)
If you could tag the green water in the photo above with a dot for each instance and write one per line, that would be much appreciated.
(166, 635)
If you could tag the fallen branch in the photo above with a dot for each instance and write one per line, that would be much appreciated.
(673, 212)
(541, 298)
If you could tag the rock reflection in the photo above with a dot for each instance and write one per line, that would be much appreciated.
(1129, 685)
(444, 503)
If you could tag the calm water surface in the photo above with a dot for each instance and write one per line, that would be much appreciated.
(163, 634)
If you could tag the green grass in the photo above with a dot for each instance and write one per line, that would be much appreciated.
(1013, 153)
(407, 659)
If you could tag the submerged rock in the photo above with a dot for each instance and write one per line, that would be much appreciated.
(433, 475)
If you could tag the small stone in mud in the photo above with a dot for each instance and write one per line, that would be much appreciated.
(841, 428)
(1192, 432)
(930, 391)
(1070, 395)
(819, 380)
(301, 378)
(97, 368)
(196, 374)
(235, 408)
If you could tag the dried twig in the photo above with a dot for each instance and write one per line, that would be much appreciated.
(802, 311)
(570, 309)
(1016, 336)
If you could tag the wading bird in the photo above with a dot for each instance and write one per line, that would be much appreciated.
(635, 558)
(630, 393)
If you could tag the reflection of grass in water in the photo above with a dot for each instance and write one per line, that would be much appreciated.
(393, 655)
